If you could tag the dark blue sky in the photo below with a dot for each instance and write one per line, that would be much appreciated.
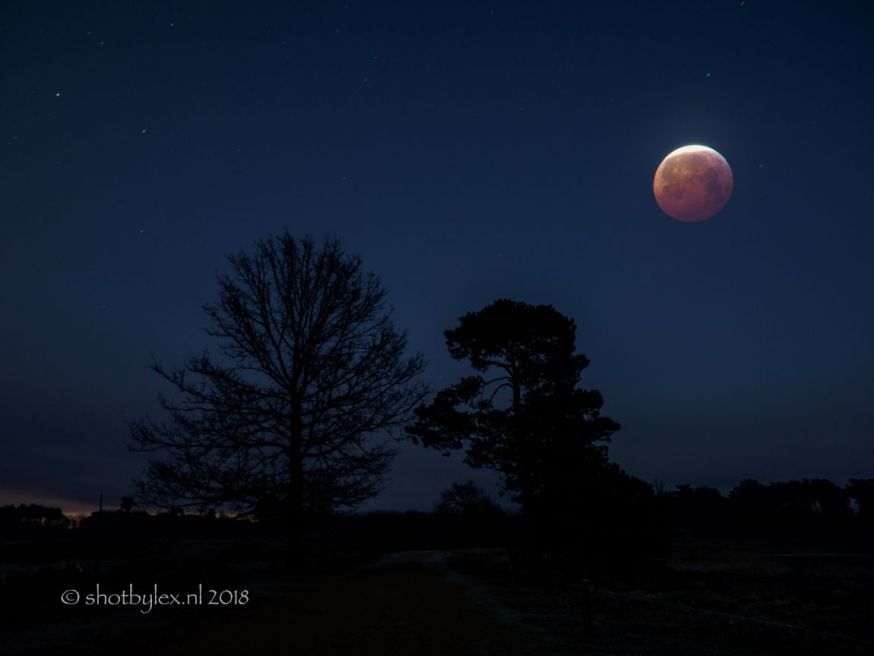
(467, 151)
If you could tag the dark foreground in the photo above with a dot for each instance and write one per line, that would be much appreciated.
(707, 599)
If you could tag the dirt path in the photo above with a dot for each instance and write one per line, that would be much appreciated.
(405, 603)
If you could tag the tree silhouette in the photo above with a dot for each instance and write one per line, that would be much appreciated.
(295, 412)
(466, 498)
(522, 414)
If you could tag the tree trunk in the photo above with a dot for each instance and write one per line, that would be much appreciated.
(295, 497)
(295, 484)
(532, 529)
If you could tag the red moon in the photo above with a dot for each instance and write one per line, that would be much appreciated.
(692, 183)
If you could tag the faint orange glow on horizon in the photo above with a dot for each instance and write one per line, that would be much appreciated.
(70, 507)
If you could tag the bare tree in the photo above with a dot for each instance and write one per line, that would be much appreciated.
(297, 411)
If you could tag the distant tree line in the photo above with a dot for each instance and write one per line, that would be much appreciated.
(464, 515)
(22, 520)
(804, 508)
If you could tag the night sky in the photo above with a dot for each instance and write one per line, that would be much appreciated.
(467, 151)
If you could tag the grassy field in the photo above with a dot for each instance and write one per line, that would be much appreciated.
(708, 597)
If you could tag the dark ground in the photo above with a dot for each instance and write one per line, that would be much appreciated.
(708, 598)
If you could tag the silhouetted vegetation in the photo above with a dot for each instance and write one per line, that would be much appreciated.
(523, 415)
(465, 515)
(783, 561)
(292, 416)
(288, 428)
(32, 519)
(809, 508)
(123, 525)
(466, 499)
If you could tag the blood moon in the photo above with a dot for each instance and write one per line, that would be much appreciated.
(692, 183)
